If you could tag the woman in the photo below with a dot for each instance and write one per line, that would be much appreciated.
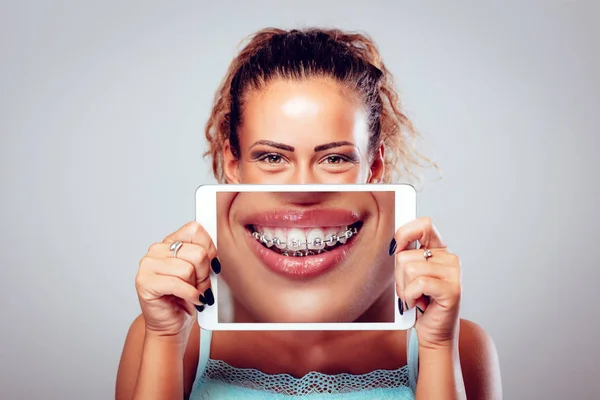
(313, 106)
(307, 257)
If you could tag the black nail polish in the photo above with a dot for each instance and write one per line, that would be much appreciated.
(392, 248)
(199, 308)
(401, 306)
(406, 306)
(202, 299)
(215, 264)
(419, 308)
(210, 298)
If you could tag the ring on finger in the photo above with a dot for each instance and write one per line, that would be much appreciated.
(175, 246)
(427, 254)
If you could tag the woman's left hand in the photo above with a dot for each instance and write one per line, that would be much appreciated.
(432, 284)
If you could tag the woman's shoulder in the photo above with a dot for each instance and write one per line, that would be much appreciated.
(474, 339)
(479, 360)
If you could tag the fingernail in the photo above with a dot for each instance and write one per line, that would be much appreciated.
(406, 305)
(210, 298)
(419, 308)
(199, 308)
(392, 248)
(215, 264)
(401, 306)
(202, 299)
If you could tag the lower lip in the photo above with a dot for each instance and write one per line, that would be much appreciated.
(300, 267)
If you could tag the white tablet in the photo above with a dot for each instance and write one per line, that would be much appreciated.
(304, 257)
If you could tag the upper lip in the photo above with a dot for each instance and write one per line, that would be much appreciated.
(303, 218)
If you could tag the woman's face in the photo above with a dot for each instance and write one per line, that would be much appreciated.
(312, 131)
(299, 133)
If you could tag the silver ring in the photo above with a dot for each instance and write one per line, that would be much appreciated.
(427, 254)
(175, 246)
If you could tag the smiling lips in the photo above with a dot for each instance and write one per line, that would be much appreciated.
(302, 244)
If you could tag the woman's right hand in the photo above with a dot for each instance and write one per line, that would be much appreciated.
(170, 290)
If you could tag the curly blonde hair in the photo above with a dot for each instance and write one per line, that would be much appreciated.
(352, 59)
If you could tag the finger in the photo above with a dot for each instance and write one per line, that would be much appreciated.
(421, 304)
(400, 289)
(152, 286)
(169, 267)
(184, 271)
(444, 293)
(407, 258)
(190, 309)
(406, 273)
(191, 253)
(416, 269)
(194, 232)
(441, 264)
(421, 229)
(438, 256)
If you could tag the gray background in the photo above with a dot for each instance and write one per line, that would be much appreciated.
(102, 111)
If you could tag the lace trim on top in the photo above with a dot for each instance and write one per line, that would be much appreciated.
(311, 383)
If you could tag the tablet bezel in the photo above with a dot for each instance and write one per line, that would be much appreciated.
(206, 206)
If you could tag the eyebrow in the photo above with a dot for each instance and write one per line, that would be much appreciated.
(332, 145)
(279, 146)
(285, 147)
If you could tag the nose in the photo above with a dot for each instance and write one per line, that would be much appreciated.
(304, 175)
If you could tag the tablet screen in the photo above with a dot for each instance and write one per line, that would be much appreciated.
(305, 257)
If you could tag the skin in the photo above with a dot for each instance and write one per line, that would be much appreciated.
(353, 290)
(457, 359)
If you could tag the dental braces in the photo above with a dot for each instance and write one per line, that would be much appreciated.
(295, 243)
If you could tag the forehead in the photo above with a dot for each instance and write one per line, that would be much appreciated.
(304, 114)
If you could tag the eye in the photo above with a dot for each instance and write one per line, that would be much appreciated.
(335, 159)
(271, 158)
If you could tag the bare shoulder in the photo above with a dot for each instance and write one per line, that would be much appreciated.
(479, 362)
(131, 359)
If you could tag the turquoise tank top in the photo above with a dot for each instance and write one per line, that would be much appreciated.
(216, 379)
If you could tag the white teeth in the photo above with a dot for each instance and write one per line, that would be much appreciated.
(315, 239)
(342, 236)
(281, 237)
(268, 237)
(296, 240)
(331, 236)
(302, 242)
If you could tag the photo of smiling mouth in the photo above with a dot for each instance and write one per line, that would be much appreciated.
(303, 242)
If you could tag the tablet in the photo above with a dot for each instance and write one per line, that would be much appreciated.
(304, 257)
